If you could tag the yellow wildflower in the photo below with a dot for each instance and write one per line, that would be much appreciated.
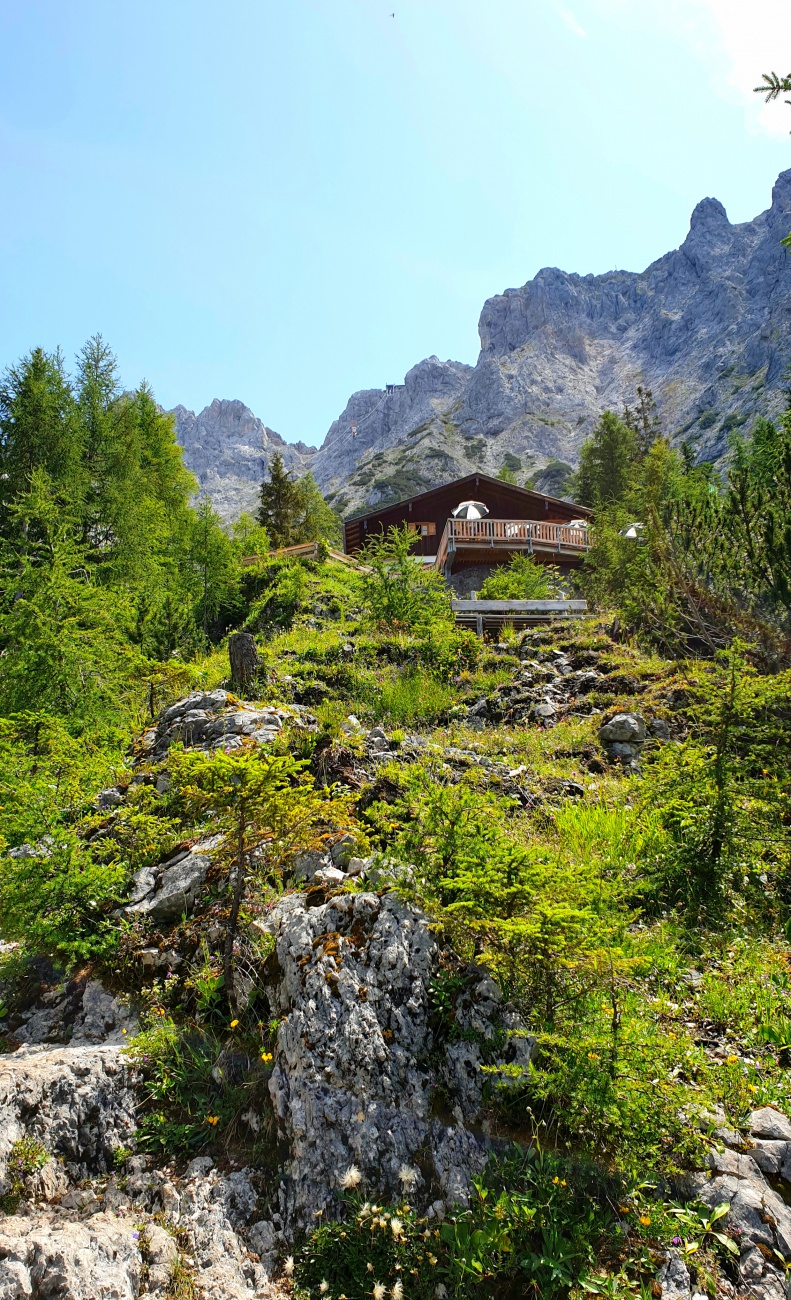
(266, 1056)
(213, 1120)
(645, 1220)
(234, 1023)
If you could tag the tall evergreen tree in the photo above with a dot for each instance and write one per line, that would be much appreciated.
(64, 644)
(39, 429)
(643, 420)
(213, 564)
(606, 462)
(314, 519)
(278, 504)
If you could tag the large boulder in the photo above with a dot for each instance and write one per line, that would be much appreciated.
(623, 738)
(211, 720)
(79, 1012)
(78, 1102)
(359, 1055)
(624, 728)
(170, 890)
(758, 1217)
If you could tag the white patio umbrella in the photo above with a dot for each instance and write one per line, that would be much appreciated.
(470, 510)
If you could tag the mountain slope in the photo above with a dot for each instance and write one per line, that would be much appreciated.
(707, 327)
(228, 450)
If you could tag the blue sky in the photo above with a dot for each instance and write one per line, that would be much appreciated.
(285, 202)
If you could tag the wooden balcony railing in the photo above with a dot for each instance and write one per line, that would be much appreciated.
(510, 534)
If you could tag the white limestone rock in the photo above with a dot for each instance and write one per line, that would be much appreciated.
(229, 450)
(77, 1101)
(53, 1259)
(352, 1082)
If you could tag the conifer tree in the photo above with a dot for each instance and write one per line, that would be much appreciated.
(215, 576)
(314, 518)
(606, 462)
(278, 503)
(39, 428)
(643, 420)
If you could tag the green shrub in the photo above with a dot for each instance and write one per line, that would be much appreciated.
(194, 1084)
(400, 591)
(410, 697)
(27, 1156)
(54, 898)
(523, 578)
(282, 598)
(536, 1225)
(448, 650)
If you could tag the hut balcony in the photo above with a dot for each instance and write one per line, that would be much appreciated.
(491, 541)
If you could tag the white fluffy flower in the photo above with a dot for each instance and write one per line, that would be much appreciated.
(351, 1179)
(397, 1292)
(407, 1177)
(396, 1226)
(379, 1292)
(324, 1287)
(288, 1267)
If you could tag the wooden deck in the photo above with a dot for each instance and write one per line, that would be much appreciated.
(491, 615)
(304, 550)
(472, 538)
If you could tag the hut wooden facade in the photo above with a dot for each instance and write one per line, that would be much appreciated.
(518, 521)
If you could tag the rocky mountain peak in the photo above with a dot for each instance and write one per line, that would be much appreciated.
(706, 327)
(709, 214)
(781, 192)
(229, 449)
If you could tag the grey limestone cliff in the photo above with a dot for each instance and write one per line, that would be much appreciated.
(707, 327)
(228, 450)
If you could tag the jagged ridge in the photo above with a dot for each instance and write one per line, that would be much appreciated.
(706, 327)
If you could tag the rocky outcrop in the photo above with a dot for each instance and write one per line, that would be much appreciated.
(102, 1241)
(705, 328)
(211, 720)
(77, 1102)
(45, 1258)
(76, 1230)
(758, 1218)
(80, 1013)
(355, 1069)
(229, 449)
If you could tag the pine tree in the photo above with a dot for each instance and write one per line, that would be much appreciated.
(278, 504)
(314, 519)
(606, 462)
(39, 429)
(643, 420)
(64, 646)
(215, 575)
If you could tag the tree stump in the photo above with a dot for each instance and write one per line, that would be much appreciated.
(244, 658)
